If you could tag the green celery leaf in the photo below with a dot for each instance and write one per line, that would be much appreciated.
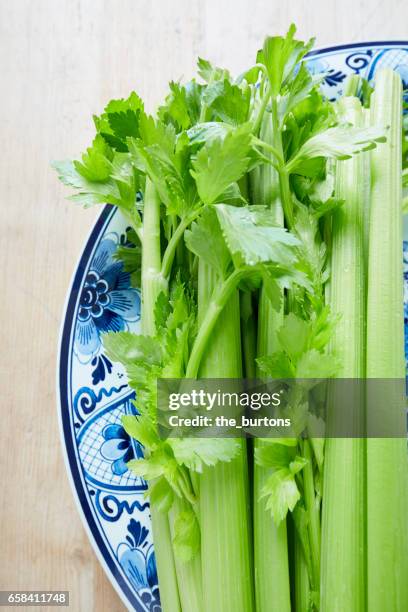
(176, 108)
(195, 453)
(194, 94)
(150, 468)
(274, 455)
(156, 133)
(167, 162)
(251, 240)
(159, 463)
(130, 256)
(127, 347)
(323, 325)
(124, 124)
(90, 192)
(220, 163)
(161, 495)
(299, 89)
(277, 365)
(251, 76)
(232, 195)
(210, 73)
(186, 539)
(229, 103)
(96, 162)
(314, 364)
(132, 103)
(180, 305)
(281, 55)
(341, 142)
(208, 132)
(162, 311)
(294, 336)
(119, 121)
(205, 239)
(141, 429)
(282, 494)
(297, 464)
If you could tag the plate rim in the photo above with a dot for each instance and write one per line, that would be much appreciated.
(103, 554)
(66, 445)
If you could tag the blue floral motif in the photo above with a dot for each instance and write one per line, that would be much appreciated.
(117, 448)
(359, 60)
(107, 301)
(139, 564)
(331, 77)
(102, 368)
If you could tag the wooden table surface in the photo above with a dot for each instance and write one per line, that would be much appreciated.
(60, 61)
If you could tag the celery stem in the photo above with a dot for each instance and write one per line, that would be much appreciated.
(387, 466)
(178, 234)
(224, 489)
(343, 523)
(188, 572)
(313, 513)
(272, 588)
(248, 332)
(152, 284)
(215, 307)
(286, 197)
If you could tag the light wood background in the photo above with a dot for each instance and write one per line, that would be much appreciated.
(60, 61)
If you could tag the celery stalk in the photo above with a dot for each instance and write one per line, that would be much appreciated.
(166, 569)
(343, 534)
(224, 500)
(302, 585)
(313, 512)
(351, 85)
(272, 589)
(152, 283)
(188, 572)
(387, 467)
(248, 333)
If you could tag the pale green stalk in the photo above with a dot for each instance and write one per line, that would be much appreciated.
(224, 496)
(248, 323)
(387, 467)
(152, 284)
(351, 85)
(188, 572)
(248, 333)
(302, 586)
(343, 529)
(272, 590)
(153, 281)
(313, 512)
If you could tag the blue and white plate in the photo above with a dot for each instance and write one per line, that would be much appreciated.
(94, 392)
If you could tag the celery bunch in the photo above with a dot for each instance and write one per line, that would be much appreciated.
(247, 201)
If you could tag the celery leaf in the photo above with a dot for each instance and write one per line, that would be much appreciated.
(281, 492)
(340, 142)
(161, 495)
(220, 163)
(186, 539)
(205, 240)
(252, 239)
(195, 453)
